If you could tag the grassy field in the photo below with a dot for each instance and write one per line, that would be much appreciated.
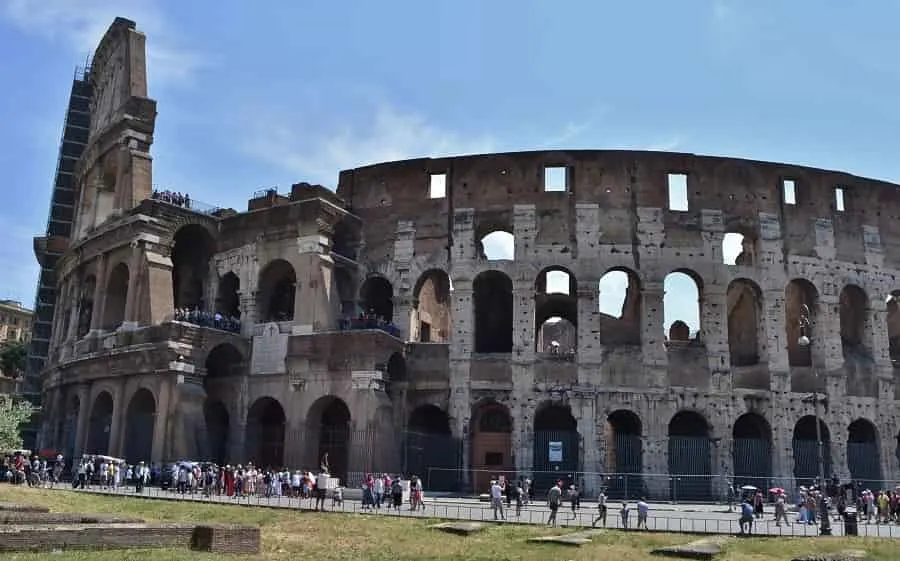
(344, 537)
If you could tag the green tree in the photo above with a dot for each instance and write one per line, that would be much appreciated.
(13, 412)
(12, 358)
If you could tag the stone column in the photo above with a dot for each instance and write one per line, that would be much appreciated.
(99, 296)
(74, 311)
(158, 453)
(775, 343)
(714, 326)
(84, 413)
(524, 328)
(826, 335)
(314, 267)
(117, 428)
(653, 338)
(133, 297)
(586, 416)
(247, 305)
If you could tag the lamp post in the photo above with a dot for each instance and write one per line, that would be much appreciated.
(804, 341)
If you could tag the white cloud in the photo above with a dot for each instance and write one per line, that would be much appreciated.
(389, 135)
(81, 24)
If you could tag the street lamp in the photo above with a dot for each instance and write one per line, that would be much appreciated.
(804, 341)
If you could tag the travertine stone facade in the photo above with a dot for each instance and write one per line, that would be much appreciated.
(454, 344)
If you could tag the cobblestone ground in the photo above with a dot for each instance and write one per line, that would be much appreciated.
(699, 518)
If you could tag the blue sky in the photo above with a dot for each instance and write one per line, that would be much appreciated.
(271, 93)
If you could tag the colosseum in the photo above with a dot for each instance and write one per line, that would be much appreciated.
(468, 316)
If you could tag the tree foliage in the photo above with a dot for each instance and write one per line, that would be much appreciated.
(13, 412)
(12, 358)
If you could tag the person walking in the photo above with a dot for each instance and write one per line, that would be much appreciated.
(497, 499)
(601, 510)
(554, 497)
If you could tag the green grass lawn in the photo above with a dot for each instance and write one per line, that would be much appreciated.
(344, 537)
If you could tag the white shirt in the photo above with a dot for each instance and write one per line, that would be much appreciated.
(496, 491)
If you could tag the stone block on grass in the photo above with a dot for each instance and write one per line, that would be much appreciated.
(459, 528)
(699, 549)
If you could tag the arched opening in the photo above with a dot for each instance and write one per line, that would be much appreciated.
(86, 305)
(215, 414)
(139, 422)
(70, 428)
(277, 290)
(394, 371)
(378, 298)
(265, 433)
(192, 250)
(556, 312)
(556, 446)
(334, 434)
(855, 321)
(744, 308)
(497, 246)
(99, 424)
(625, 455)
(738, 249)
(491, 445)
(893, 326)
(806, 450)
(431, 452)
(493, 298)
(223, 363)
(690, 457)
(751, 454)
(800, 296)
(619, 304)
(431, 313)
(116, 297)
(228, 301)
(864, 454)
(681, 306)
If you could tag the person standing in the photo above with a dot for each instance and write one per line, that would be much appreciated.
(497, 499)
(601, 510)
(554, 497)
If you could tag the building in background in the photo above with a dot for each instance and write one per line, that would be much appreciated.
(15, 327)
(49, 247)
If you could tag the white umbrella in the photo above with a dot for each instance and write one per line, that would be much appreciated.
(748, 488)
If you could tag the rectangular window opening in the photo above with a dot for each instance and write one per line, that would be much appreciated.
(839, 199)
(438, 186)
(556, 179)
(493, 459)
(678, 193)
(789, 191)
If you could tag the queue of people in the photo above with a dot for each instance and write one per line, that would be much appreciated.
(208, 319)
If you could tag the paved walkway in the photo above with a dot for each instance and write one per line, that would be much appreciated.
(711, 519)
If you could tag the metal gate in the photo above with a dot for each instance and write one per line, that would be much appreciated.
(435, 458)
(690, 468)
(806, 462)
(139, 437)
(556, 455)
(627, 482)
(864, 463)
(752, 462)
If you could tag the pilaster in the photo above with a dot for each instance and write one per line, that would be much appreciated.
(99, 295)
(714, 333)
(315, 267)
(653, 339)
(133, 296)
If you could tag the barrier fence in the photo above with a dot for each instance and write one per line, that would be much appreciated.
(719, 521)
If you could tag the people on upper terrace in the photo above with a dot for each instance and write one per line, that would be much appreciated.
(208, 319)
(368, 320)
(182, 200)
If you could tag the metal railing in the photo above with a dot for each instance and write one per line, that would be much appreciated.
(207, 319)
(184, 201)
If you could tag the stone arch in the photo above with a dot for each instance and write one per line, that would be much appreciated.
(690, 457)
(431, 309)
(864, 454)
(430, 450)
(100, 424)
(682, 300)
(86, 305)
(265, 433)
(116, 297)
(492, 295)
(806, 463)
(140, 422)
(625, 454)
(330, 420)
(556, 444)
(378, 298)
(744, 299)
(222, 364)
(893, 326)
(228, 300)
(277, 289)
(497, 245)
(751, 453)
(856, 326)
(192, 249)
(491, 444)
(619, 303)
(797, 294)
(556, 311)
(217, 419)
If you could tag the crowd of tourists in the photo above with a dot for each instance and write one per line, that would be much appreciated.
(182, 200)
(208, 319)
